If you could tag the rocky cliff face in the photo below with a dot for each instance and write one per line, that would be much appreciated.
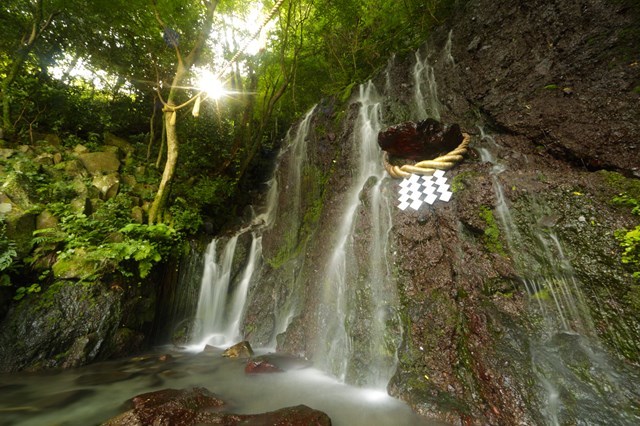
(509, 294)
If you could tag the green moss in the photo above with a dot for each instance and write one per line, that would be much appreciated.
(498, 287)
(636, 90)
(543, 295)
(461, 181)
(491, 232)
(633, 297)
(295, 239)
(628, 196)
(621, 184)
(46, 299)
(75, 265)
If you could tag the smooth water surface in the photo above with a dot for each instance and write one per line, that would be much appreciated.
(93, 394)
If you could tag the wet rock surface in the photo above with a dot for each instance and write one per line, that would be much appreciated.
(549, 90)
(419, 141)
(194, 407)
(239, 350)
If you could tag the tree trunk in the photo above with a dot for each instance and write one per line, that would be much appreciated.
(160, 200)
(38, 25)
(6, 99)
(170, 111)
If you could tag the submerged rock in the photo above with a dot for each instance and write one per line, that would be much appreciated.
(190, 407)
(421, 140)
(258, 366)
(239, 350)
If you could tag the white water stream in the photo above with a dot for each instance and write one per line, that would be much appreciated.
(572, 368)
(360, 285)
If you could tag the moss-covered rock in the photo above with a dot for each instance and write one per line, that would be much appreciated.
(66, 324)
(98, 163)
(76, 266)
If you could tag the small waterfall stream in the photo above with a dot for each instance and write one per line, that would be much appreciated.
(220, 307)
(425, 89)
(572, 368)
(357, 286)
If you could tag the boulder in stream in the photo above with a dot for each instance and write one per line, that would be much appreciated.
(190, 407)
(259, 366)
(239, 350)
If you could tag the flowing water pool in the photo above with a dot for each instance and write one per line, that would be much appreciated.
(93, 394)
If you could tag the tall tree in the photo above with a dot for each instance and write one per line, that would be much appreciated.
(185, 62)
(24, 25)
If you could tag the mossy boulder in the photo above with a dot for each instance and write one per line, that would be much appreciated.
(20, 227)
(76, 266)
(67, 324)
(112, 140)
(98, 163)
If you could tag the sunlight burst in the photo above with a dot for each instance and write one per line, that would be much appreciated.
(211, 85)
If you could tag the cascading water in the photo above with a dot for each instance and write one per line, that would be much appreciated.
(358, 288)
(572, 368)
(221, 304)
(220, 307)
(287, 307)
(425, 89)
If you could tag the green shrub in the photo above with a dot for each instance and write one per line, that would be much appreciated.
(8, 255)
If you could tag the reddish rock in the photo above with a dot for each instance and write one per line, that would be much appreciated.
(261, 366)
(420, 141)
(175, 407)
(196, 398)
(300, 415)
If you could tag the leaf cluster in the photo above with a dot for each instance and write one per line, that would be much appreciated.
(106, 238)
(8, 255)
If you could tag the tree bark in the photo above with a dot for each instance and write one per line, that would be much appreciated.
(38, 26)
(170, 112)
(160, 200)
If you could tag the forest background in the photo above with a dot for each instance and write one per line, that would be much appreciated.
(82, 76)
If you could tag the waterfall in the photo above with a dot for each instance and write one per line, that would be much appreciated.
(221, 302)
(425, 89)
(358, 289)
(225, 285)
(567, 358)
(448, 57)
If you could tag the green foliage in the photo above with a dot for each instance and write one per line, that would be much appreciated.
(24, 291)
(106, 238)
(630, 243)
(627, 201)
(628, 197)
(186, 219)
(8, 255)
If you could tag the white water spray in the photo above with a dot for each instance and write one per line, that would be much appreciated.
(355, 286)
(223, 299)
(425, 89)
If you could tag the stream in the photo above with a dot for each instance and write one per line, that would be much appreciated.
(573, 379)
(93, 394)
